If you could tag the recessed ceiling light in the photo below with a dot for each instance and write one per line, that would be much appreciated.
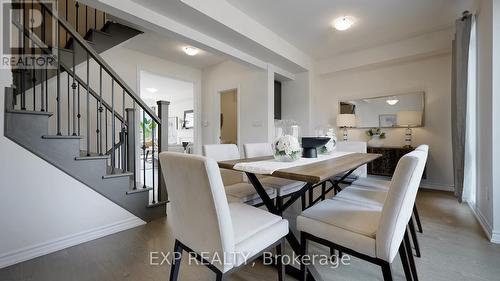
(392, 101)
(152, 90)
(343, 23)
(191, 51)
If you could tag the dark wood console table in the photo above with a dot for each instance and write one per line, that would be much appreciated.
(385, 165)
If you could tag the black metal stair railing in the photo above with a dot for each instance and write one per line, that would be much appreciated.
(94, 92)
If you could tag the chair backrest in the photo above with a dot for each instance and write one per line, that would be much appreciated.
(222, 152)
(354, 146)
(398, 206)
(257, 149)
(423, 147)
(199, 208)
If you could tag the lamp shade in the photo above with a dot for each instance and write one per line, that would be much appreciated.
(409, 118)
(346, 120)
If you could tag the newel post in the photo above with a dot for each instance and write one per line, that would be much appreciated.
(131, 135)
(162, 146)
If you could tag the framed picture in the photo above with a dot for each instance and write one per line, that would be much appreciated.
(387, 120)
(188, 119)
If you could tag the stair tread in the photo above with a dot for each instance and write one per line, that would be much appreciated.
(91, 157)
(157, 204)
(18, 111)
(139, 190)
(61, 137)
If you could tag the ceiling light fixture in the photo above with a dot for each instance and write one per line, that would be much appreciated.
(343, 23)
(392, 101)
(152, 90)
(191, 51)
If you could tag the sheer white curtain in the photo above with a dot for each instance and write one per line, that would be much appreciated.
(469, 193)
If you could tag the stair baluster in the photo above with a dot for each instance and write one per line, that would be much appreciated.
(78, 106)
(113, 129)
(77, 25)
(99, 117)
(153, 163)
(33, 73)
(73, 86)
(88, 105)
(69, 104)
(123, 131)
(86, 19)
(66, 32)
(58, 75)
(43, 71)
(95, 18)
(144, 156)
(22, 70)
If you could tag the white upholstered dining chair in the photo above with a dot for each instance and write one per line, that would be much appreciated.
(374, 191)
(370, 232)
(221, 235)
(237, 189)
(283, 187)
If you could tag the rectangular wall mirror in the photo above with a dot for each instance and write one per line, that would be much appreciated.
(383, 111)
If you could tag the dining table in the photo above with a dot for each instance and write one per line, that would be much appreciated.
(332, 169)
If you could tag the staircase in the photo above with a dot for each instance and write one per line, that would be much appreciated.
(80, 116)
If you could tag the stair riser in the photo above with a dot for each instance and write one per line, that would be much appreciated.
(26, 125)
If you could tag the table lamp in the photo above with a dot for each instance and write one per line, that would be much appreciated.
(409, 119)
(346, 121)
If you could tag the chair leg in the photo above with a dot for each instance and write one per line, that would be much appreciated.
(386, 271)
(411, 260)
(404, 261)
(414, 238)
(221, 276)
(279, 260)
(176, 261)
(417, 218)
(304, 246)
(279, 202)
(311, 196)
(323, 191)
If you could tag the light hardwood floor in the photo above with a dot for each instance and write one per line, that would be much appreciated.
(453, 248)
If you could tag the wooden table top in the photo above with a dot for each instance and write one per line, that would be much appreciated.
(315, 172)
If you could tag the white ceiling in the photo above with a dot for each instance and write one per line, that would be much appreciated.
(170, 49)
(306, 24)
(169, 89)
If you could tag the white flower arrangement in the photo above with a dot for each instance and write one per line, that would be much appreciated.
(328, 147)
(287, 148)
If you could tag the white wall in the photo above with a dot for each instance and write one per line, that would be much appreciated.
(496, 121)
(295, 101)
(484, 202)
(431, 75)
(45, 210)
(253, 105)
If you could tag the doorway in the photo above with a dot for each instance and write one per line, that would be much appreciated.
(229, 117)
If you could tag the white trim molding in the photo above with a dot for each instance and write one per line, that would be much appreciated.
(492, 235)
(55, 245)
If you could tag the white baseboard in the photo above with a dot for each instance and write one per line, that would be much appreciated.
(434, 186)
(493, 236)
(41, 249)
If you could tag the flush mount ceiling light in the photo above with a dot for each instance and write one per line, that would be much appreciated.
(343, 23)
(191, 51)
(392, 101)
(152, 90)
